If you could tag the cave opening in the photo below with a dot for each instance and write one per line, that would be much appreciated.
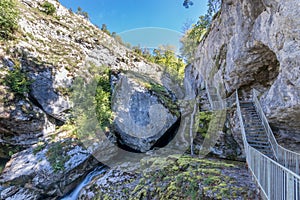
(261, 67)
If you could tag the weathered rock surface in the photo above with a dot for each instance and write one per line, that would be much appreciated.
(174, 177)
(21, 122)
(142, 115)
(54, 51)
(46, 171)
(255, 44)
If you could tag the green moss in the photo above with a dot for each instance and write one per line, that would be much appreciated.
(181, 179)
(165, 98)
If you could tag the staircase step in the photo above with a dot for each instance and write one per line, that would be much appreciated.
(253, 123)
(254, 126)
(250, 130)
(269, 152)
(260, 146)
(258, 139)
(258, 142)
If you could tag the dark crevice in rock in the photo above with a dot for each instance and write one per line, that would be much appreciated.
(168, 136)
(161, 142)
(56, 121)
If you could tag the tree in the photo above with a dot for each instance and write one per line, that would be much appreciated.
(82, 13)
(193, 36)
(187, 3)
(104, 29)
(9, 16)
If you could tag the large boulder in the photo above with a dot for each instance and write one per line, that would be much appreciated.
(49, 170)
(145, 112)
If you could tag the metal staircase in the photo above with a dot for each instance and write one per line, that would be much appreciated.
(255, 131)
(274, 168)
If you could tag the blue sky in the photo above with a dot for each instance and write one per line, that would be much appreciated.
(144, 22)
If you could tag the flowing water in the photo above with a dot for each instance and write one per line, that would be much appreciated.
(75, 193)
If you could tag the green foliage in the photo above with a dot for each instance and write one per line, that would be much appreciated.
(39, 147)
(57, 154)
(103, 99)
(9, 16)
(192, 38)
(17, 81)
(204, 119)
(165, 97)
(92, 103)
(48, 8)
(166, 57)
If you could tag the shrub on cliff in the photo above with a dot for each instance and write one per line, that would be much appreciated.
(9, 16)
(48, 8)
(17, 81)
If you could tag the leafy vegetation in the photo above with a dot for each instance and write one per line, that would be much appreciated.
(164, 96)
(9, 16)
(103, 99)
(48, 8)
(40, 146)
(17, 81)
(204, 119)
(57, 154)
(164, 56)
(92, 103)
(192, 38)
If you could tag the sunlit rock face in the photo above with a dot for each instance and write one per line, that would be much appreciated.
(255, 44)
(142, 115)
(37, 173)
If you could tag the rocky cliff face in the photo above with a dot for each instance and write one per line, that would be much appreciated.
(255, 44)
(51, 52)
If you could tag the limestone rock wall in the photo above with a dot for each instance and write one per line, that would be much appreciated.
(255, 44)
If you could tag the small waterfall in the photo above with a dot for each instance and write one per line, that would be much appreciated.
(75, 193)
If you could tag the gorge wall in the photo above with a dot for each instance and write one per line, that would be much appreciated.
(255, 44)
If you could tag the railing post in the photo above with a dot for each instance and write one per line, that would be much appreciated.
(297, 166)
(269, 177)
(289, 185)
(285, 164)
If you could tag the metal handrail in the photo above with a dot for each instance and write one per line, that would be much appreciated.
(286, 157)
(215, 100)
(276, 181)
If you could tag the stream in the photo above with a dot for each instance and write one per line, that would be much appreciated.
(75, 193)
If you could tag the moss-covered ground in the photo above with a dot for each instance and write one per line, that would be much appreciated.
(182, 177)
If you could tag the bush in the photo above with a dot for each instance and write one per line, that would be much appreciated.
(103, 99)
(17, 81)
(9, 16)
(48, 8)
